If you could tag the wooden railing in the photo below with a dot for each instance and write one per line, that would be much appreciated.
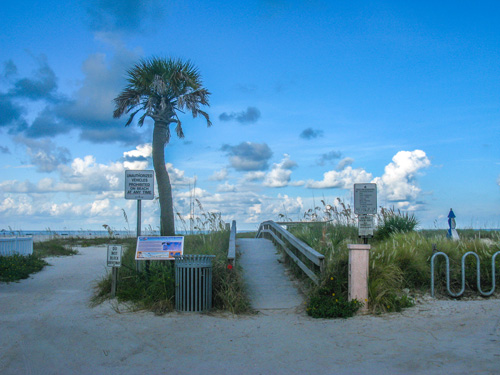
(309, 260)
(231, 252)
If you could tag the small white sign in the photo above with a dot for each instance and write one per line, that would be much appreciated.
(140, 185)
(365, 199)
(365, 225)
(114, 256)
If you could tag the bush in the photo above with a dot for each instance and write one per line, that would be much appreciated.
(54, 247)
(327, 304)
(391, 221)
(155, 290)
(17, 267)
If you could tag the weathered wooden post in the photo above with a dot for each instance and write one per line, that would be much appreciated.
(114, 260)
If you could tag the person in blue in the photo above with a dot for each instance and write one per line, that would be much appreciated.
(452, 232)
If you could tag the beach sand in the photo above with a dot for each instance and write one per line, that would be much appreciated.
(47, 327)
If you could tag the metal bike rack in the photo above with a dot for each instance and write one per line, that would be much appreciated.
(478, 273)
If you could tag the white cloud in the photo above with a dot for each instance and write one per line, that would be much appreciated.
(19, 205)
(280, 173)
(219, 175)
(345, 162)
(226, 187)
(177, 177)
(254, 176)
(343, 179)
(142, 151)
(100, 207)
(398, 183)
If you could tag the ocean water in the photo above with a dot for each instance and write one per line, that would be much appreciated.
(41, 235)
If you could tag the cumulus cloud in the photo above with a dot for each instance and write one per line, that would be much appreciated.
(43, 84)
(125, 15)
(248, 156)
(311, 133)
(250, 116)
(226, 187)
(9, 69)
(44, 154)
(11, 112)
(329, 157)
(344, 163)
(46, 125)
(343, 179)
(254, 176)
(398, 183)
(88, 110)
(219, 175)
(280, 173)
(139, 158)
(177, 177)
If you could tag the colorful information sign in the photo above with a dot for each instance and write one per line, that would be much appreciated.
(159, 247)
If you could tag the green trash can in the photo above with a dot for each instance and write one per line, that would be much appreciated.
(193, 283)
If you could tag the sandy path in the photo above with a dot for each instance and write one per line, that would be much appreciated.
(46, 327)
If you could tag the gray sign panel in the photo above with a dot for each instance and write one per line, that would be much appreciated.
(365, 225)
(365, 199)
(114, 258)
(140, 185)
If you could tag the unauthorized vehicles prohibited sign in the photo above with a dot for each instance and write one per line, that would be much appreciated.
(114, 256)
(139, 185)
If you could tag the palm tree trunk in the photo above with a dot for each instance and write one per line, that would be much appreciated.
(167, 225)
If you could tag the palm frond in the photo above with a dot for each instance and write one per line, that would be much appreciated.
(162, 87)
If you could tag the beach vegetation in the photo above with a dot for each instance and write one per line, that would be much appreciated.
(153, 289)
(400, 256)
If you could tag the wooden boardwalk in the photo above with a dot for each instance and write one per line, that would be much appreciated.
(269, 285)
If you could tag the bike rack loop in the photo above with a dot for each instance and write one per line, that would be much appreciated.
(478, 273)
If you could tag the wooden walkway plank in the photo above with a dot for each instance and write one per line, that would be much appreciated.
(268, 284)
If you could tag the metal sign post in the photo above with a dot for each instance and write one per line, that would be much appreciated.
(139, 185)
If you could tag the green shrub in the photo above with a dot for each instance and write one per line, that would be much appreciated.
(17, 267)
(53, 247)
(321, 306)
(391, 221)
(154, 290)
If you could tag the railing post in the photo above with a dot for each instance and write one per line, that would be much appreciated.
(359, 261)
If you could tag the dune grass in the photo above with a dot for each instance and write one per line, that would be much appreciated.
(399, 257)
(154, 290)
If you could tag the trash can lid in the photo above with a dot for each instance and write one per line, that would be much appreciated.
(192, 261)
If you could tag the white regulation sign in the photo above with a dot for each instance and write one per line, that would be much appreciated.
(140, 185)
(365, 199)
(114, 256)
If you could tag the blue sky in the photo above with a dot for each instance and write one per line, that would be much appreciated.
(308, 98)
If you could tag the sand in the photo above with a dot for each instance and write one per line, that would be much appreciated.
(47, 327)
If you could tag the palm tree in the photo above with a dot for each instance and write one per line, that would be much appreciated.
(160, 88)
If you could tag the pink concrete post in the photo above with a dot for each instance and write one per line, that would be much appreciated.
(359, 257)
